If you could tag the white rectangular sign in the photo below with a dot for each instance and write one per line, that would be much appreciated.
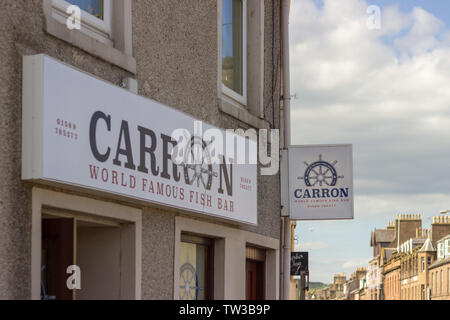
(83, 132)
(321, 182)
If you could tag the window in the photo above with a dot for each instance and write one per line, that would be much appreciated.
(95, 16)
(106, 21)
(440, 250)
(93, 7)
(234, 49)
(196, 268)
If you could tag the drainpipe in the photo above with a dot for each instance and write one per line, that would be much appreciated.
(286, 276)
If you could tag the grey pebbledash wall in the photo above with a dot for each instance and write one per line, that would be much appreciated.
(176, 47)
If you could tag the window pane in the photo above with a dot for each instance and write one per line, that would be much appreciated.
(193, 271)
(201, 271)
(232, 38)
(94, 7)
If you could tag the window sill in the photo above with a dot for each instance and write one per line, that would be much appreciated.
(90, 45)
(236, 110)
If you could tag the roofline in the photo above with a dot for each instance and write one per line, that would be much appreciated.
(439, 263)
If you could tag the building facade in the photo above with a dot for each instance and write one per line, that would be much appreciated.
(416, 270)
(385, 242)
(218, 62)
(355, 284)
(338, 286)
(392, 276)
(439, 271)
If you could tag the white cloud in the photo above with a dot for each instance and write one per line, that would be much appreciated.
(422, 36)
(393, 21)
(355, 263)
(310, 246)
(387, 206)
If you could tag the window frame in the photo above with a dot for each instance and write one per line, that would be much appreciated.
(90, 23)
(225, 90)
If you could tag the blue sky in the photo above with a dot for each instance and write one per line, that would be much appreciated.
(439, 8)
(386, 92)
(227, 29)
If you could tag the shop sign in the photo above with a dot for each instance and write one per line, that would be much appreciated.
(320, 180)
(82, 132)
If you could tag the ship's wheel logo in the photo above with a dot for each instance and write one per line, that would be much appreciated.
(197, 164)
(189, 285)
(321, 173)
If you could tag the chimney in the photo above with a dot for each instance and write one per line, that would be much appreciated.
(422, 233)
(439, 228)
(406, 226)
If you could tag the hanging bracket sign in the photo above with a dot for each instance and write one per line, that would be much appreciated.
(320, 180)
(299, 263)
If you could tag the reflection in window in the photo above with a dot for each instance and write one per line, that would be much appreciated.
(232, 45)
(194, 271)
(94, 7)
